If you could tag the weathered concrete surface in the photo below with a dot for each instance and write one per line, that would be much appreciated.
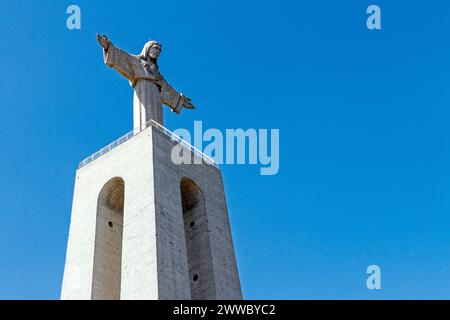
(131, 161)
(170, 223)
(154, 262)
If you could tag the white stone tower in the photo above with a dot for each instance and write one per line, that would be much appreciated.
(143, 227)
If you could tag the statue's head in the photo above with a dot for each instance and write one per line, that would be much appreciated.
(151, 49)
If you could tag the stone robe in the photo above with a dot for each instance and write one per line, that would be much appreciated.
(150, 91)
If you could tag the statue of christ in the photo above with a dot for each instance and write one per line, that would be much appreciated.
(151, 90)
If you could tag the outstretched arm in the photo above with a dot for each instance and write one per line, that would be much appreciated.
(172, 98)
(103, 40)
(117, 58)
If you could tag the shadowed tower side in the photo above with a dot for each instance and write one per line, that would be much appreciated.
(106, 277)
(198, 247)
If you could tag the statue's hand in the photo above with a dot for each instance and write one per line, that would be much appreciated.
(187, 103)
(103, 40)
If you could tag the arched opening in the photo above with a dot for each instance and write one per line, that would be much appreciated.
(108, 241)
(198, 246)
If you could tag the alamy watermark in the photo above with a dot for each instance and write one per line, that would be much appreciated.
(73, 21)
(233, 146)
(374, 280)
(374, 20)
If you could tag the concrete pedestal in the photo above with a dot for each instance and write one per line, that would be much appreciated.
(145, 228)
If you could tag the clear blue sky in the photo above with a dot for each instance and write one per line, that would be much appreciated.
(364, 128)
